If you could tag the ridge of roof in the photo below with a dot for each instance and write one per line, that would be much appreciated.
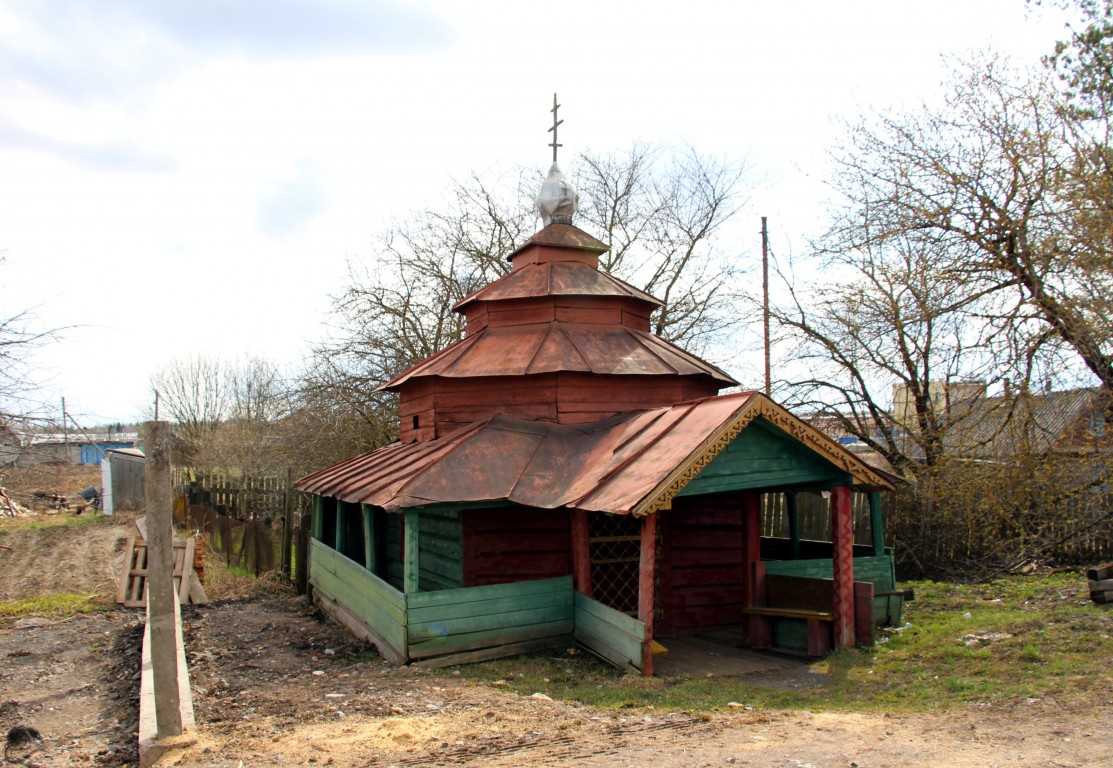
(563, 236)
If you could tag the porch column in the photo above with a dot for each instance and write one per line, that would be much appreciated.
(793, 524)
(318, 517)
(581, 552)
(369, 548)
(410, 538)
(877, 526)
(751, 531)
(340, 514)
(646, 577)
(842, 535)
(757, 631)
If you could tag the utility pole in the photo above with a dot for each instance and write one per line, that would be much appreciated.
(65, 431)
(765, 304)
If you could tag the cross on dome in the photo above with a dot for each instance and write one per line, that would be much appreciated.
(557, 200)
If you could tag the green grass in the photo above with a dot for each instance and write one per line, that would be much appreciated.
(1017, 638)
(54, 605)
(47, 522)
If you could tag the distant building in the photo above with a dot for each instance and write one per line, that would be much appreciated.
(74, 448)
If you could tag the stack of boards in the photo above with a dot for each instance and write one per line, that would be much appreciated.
(132, 589)
(1101, 583)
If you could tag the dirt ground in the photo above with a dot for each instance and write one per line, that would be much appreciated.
(274, 684)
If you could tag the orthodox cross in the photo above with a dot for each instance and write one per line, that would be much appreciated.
(556, 122)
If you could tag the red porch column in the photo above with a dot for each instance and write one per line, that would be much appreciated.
(842, 535)
(757, 632)
(581, 552)
(646, 578)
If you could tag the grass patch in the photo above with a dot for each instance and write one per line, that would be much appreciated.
(52, 521)
(54, 605)
(1019, 637)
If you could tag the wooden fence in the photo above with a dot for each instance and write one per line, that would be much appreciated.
(258, 525)
(813, 512)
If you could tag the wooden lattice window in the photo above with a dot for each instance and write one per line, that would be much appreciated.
(615, 555)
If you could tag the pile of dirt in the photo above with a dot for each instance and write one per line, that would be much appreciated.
(80, 559)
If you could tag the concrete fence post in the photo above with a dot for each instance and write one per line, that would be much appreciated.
(160, 577)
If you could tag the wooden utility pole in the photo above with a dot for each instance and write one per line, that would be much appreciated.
(65, 431)
(160, 577)
(765, 304)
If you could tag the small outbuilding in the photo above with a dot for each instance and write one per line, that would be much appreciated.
(563, 474)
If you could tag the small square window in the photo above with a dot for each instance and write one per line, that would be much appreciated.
(1097, 424)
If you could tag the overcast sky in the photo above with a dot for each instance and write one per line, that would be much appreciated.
(192, 175)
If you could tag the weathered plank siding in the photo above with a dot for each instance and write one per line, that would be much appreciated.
(441, 543)
(512, 544)
(702, 564)
(377, 604)
(458, 620)
(611, 634)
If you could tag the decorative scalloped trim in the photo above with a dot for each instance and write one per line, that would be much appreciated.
(661, 497)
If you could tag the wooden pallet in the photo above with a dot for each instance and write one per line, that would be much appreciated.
(132, 590)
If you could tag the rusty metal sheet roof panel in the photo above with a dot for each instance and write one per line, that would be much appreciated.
(666, 349)
(557, 279)
(556, 347)
(557, 353)
(485, 467)
(659, 451)
(617, 466)
(563, 236)
(498, 352)
(608, 349)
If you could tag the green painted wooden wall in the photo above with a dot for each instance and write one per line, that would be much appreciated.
(346, 582)
(441, 561)
(616, 637)
(460, 620)
(764, 457)
(879, 570)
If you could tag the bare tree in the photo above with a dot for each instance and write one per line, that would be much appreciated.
(970, 242)
(20, 383)
(194, 392)
(991, 177)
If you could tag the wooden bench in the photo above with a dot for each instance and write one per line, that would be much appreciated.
(810, 600)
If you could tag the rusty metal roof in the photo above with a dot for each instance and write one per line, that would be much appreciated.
(563, 236)
(634, 463)
(555, 347)
(557, 279)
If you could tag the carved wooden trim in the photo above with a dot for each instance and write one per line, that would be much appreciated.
(661, 497)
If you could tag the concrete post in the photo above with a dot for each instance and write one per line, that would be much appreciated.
(160, 577)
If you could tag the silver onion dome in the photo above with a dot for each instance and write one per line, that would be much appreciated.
(557, 200)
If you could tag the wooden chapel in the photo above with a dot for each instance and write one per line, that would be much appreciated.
(564, 474)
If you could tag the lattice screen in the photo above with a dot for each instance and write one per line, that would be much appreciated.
(615, 552)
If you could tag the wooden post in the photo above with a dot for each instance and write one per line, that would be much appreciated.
(288, 524)
(751, 532)
(793, 524)
(753, 586)
(842, 534)
(369, 548)
(302, 559)
(340, 515)
(318, 517)
(160, 577)
(581, 551)
(411, 565)
(877, 525)
(646, 582)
